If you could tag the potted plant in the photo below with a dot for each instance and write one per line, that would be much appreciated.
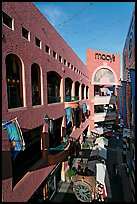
(85, 145)
(70, 174)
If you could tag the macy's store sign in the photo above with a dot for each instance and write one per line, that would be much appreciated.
(105, 57)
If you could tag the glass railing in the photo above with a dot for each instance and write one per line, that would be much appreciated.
(71, 98)
(54, 99)
(59, 148)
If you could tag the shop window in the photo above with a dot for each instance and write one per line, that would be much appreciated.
(47, 49)
(7, 20)
(25, 33)
(36, 85)
(27, 158)
(37, 42)
(14, 81)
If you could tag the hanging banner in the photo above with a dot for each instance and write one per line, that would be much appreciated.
(15, 137)
(69, 115)
(84, 108)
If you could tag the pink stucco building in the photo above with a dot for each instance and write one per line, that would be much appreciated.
(42, 76)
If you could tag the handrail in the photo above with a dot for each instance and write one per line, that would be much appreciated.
(60, 147)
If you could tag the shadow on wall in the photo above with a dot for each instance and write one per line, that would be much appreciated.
(6, 165)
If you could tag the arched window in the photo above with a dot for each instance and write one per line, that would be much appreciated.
(68, 88)
(83, 88)
(77, 85)
(35, 84)
(104, 75)
(87, 90)
(53, 87)
(14, 81)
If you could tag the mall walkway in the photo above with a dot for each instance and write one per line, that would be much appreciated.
(120, 186)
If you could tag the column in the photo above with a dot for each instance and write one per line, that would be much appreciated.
(63, 172)
(45, 141)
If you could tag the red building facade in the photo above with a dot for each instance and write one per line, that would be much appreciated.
(104, 69)
(51, 92)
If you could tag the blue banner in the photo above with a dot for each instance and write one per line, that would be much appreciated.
(15, 137)
(84, 108)
(69, 115)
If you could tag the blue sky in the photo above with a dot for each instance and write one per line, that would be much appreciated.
(95, 25)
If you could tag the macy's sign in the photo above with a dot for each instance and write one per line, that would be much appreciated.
(105, 57)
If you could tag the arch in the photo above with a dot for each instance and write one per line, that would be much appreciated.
(36, 84)
(87, 92)
(110, 70)
(14, 78)
(53, 87)
(68, 86)
(77, 85)
(82, 91)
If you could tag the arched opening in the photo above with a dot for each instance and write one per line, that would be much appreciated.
(87, 90)
(35, 84)
(14, 81)
(53, 87)
(77, 84)
(83, 88)
(68, 88)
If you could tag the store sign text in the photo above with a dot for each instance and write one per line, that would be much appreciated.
(105, 57)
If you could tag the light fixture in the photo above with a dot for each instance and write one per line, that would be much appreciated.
(46, 118)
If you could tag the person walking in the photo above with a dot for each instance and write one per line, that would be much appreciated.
(79, 165)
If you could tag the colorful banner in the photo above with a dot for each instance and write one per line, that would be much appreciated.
(69, 115)
(84, 108)
(15, 137)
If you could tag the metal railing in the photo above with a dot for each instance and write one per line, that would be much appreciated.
(59, 148)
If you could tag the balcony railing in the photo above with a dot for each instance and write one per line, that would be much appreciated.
(104, 99)
(15, 102)
(54, 99)
(56, 150)
(98, 117)
(71, 98)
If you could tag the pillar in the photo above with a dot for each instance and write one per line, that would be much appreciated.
(45, 141)
(63, 172)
